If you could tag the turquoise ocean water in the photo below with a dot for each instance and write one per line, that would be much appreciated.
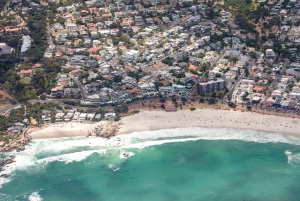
(174, 164)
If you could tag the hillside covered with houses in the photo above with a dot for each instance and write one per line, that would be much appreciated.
(108, 53)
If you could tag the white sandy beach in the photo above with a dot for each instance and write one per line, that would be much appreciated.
(69, 129)
(156, 120)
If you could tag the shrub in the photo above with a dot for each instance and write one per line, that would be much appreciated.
(192, 109)
(13, 101)
(211, 101)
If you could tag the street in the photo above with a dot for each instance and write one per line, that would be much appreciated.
(191, 91)
(81, 88)
(274, 83)
(8, 108)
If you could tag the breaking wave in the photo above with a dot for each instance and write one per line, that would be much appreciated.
(35, 197)
(76, 149)
(292, 158)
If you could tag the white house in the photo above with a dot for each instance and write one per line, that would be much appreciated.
(69, 116)
(104, 33)
(110, 116)
(132, 55)
(82, 116)
(165, 91)
(270, 53)
(76, 115)
(178, 90)
(93, 99)
(5, 49)
(71, 27)
(144, 87)
(59, 116)
(26, 44)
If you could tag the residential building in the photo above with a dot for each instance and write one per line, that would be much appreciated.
(270, 53)
(26, 44)
(295, 66)
(57, 91)
(5, 49)
(59, 116)
(82, 116)
(165, 91)
(26, 73)
(71, 27)
(211, 86)
(110, 116)
(178, 90)
(76, 116)
(93, 99)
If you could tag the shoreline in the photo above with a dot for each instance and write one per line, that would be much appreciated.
(155, 120)
(63, 129)
(158, 120)
(210, 118)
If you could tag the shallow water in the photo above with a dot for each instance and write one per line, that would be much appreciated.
(174, 164)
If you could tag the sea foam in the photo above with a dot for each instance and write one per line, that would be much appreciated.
(292, 158)
(72, 157)
(35, 197)
(76, 149)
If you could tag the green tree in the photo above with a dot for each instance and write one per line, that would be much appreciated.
(38, 81)
(211, 101)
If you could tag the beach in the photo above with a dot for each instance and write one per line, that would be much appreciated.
(63, 129)
(156, 120)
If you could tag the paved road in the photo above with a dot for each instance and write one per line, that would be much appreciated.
(81, 88)
(275, 81)
(230, 91)
(8, 108)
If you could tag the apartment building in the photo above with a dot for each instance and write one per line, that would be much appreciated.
(211, 86)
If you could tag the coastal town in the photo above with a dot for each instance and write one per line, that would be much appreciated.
(100, 60)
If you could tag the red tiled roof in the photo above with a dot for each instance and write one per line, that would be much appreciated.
(259, 88)
(157, 66)
(75, 71)
(268, 18)
(106, 15)
(26, 71)
(64, 84)
(156, 19)
(94, 49)
(194, 77)
(37, 65)
(287, 76)
(193, 67)
(134, 90)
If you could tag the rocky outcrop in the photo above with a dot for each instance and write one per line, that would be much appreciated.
(17, 144)
(107, 130)
(5, 162)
